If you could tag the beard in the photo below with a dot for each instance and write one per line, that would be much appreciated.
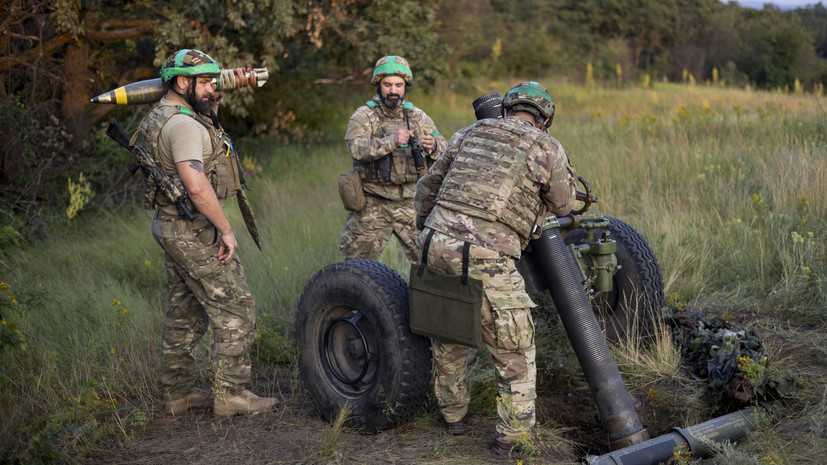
(201, 106)
(392, 100)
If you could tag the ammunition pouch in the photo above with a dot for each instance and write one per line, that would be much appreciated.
(226, 179)
(350, 190)
(393, 169)
(445, 307)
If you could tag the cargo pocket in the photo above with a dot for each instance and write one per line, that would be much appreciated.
(513, 328)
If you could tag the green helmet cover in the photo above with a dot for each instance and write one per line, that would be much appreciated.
(187, 62)
(530, 96)
(392, 66)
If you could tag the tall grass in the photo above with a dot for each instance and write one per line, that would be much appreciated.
(726, 185)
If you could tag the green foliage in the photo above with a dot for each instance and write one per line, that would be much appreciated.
(10, 335)
(10, 238)
(660, 38)
(270, 346)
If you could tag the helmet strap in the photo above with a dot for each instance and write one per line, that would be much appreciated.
(174, 89)
(190, 98)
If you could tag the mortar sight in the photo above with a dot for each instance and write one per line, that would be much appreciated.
(488, 106)
(151, 90)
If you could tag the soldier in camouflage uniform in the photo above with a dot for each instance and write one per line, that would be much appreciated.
(379, 139)
(205, 280)
(496, 179)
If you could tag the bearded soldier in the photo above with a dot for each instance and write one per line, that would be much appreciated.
(392, 144)
(205, 280)
(497, 178)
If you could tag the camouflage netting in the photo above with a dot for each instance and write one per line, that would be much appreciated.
(733, 361)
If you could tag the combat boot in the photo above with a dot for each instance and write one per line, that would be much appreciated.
(504, 448)
(243, 403)
(198, 398)
(457, 428)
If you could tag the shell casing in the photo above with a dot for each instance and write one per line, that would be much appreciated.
(151, 90)
(137, 93)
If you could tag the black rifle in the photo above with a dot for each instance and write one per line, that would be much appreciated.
(150, 168)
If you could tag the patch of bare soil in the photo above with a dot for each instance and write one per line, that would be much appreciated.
(576, 415)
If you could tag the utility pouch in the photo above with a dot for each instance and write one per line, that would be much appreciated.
(350, 190)
(445, 307)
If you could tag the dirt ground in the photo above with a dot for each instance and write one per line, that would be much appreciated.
(294, 434)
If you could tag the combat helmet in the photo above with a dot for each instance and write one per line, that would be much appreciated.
(189, 62)
(531, 97)
(392, 65)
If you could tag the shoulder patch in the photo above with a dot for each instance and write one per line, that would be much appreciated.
(371, 104)
(185, 110)
(408, 106)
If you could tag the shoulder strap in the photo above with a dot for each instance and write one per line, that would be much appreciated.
(465, 248)
(423, 259)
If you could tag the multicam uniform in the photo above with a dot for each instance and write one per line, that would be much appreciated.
(487, 189)
(201, 290)
(388, 188)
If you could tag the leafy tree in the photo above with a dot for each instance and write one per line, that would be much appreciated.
(59, 53)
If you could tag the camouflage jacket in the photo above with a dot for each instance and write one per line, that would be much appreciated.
(492, 182)
(370, 137)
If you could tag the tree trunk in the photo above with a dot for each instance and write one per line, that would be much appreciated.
(74, 91)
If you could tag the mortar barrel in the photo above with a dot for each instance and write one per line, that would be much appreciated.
(617, 412)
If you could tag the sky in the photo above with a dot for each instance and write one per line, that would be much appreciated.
(783, 4)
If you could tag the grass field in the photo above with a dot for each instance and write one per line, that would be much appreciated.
(727, 185)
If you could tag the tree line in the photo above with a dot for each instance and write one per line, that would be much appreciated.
(56, 54)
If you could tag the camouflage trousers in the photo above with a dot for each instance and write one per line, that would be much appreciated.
(507, 332)
(202, 292)
(367, 231)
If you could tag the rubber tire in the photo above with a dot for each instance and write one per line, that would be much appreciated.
(395, 382)
(636, 300)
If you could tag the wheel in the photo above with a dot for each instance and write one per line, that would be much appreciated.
(356, 346)
(634, 304)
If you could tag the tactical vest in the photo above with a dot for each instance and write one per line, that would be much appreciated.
(490, 174)
(396, 167)
(221, 168)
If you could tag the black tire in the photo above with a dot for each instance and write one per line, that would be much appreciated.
(356, 346)
(633, 306)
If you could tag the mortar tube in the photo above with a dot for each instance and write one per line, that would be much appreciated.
(697, 439)
(617, 412)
